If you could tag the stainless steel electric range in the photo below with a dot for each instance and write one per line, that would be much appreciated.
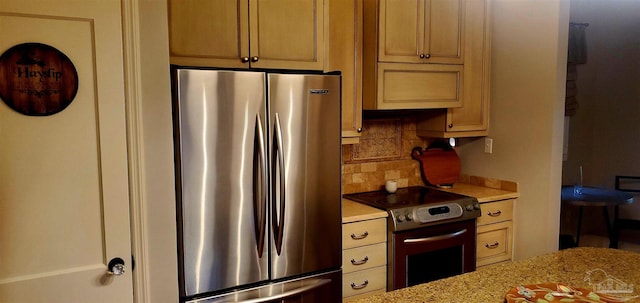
(431, 233)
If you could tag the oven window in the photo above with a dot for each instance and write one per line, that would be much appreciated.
(434, 265)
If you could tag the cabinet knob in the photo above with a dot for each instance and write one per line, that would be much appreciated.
(450, 125)
(359, 129)
(255, 59)
(427, 56)
(421, 56)
(244, 59)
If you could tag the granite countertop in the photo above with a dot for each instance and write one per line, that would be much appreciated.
(570, 266)
(483, 194)
(484, 189)
(353, 211)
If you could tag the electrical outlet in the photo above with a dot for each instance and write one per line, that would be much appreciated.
(488, 145)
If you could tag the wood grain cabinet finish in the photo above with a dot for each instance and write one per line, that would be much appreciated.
(495, 233)
(472, 118)
(423, 31)
(345, 55)
(423, 38)
(278, 34)
(364, 258)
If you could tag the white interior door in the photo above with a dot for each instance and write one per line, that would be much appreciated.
(64, 208)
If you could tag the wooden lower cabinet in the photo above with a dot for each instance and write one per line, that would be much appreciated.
(495, 233)
(364, 282)
(364, 258)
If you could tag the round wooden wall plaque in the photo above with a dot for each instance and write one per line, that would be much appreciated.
(37, 79)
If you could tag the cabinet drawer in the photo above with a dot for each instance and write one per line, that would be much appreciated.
(498, 211)
(419, 86)
(364, 233)
(363, 281)
(364, 257)
(364, 295)
(494, 243)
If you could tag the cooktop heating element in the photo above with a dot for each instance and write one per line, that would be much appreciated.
(417, 206)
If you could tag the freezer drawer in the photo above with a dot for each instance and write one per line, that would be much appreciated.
(320, 288)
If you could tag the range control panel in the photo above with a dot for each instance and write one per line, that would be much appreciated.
(420, 216)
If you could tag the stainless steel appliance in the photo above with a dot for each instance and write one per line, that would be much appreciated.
(258, 182)
(432, 233)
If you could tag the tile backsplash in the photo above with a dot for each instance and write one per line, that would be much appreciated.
(384, 153)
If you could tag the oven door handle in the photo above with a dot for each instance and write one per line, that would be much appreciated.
(435, 238)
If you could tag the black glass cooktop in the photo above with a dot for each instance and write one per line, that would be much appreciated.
(405, 197)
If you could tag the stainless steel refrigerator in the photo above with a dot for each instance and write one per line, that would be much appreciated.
(258, 160)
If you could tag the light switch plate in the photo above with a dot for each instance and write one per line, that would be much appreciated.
(488, 145)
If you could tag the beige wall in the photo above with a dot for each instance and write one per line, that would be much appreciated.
(604, 136)
(527, 106)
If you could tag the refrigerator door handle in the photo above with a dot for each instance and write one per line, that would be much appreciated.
(278, 173)
(259, 185)
(315, 284)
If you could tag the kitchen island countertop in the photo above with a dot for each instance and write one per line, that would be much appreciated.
(489, 284)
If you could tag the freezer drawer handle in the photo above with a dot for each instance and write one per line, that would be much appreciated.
(495, 214)
(436, 238)
(492, 245)
(290, 293)
(360, 286)
(363, 261)
(360, 236)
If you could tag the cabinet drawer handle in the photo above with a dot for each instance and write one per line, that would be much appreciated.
(492, 245)
(360, 286)
(354, 262)
(494, 214)
(360, 236)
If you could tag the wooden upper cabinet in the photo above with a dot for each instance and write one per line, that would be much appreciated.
(421, 31)
(345, 55)
(209, 33)
(279, 34)
(472, 119)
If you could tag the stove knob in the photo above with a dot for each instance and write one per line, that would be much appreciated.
(409, 217)
(401, 218)
(469, 207)
(476, 206)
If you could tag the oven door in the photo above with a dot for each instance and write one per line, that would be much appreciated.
(430, 253)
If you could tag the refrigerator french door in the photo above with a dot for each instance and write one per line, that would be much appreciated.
(258, 182)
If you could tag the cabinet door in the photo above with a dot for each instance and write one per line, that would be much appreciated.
(472, 119)
(209, 33)
(345, 35)
(421, 31)
(494, 243)
(401, 31)
(474, 113)
(411, 86)
(287, 34)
